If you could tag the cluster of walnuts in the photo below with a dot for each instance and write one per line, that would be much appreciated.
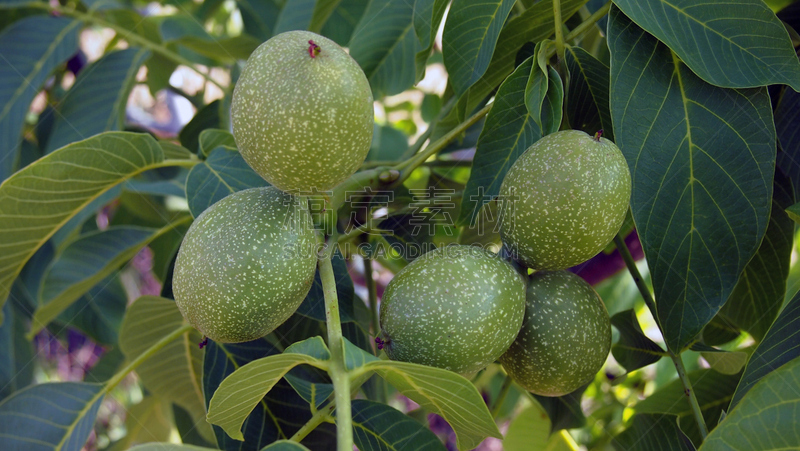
(302, 118)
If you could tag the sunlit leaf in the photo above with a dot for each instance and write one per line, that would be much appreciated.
(39, 199)
(279, 414)
(240, 392)
(175, 372)
(702, 161)
(445, 393)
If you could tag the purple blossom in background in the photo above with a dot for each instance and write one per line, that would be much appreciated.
(602, 266)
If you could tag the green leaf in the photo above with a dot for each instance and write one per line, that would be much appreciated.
(388, 143)
(529, 430)
(148, 421)
(445, 393)
(39, 199)
(471, 31)
(223, 173)
(428, 16)
(16, 353)
(652, 432)
(279, 414)
(295, 15)
(212, 138)
(343, 21)
(50, 417)
(96, 102)
(565, 411)
(787, 124)
(430, 108)
(227, 50)
(725, 362)
(533, 25)
(259, 16)
(713, 391)
(240, 392)
(734, 47)
(84, 263)
(355, 357)
(587, 102)
(384, 45)
(509, 131)
(378, 427)
(544, 99)
(313, 306)
(48, 41)
(175, 372)
(794, 212)
(322, 12)
(780, 346)
(766, 418)
(633, 350)
(702, 161)
(757, 297)
(207, 117)
(99, 312)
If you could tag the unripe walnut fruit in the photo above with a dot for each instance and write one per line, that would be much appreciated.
(245, 265)
(564, 199)
(564, 339)
(456, 307)
(302, 112)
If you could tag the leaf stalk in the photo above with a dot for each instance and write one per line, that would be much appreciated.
(676, 357)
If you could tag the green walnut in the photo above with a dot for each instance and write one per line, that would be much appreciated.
(245, 265)
(565, 337)
(564, 199)
(302, 112)
(456, 307)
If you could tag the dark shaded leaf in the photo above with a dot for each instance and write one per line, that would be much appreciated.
(758, 296)
(49, 41)
(780, 346)
(50, 417)
(633, 350)
(564, 411)
(96, 102)
(652, 432)
(509, 130)
(223, 173)
(384, 45)
(713, 391)
(471, 31)
(207, 117)
(587, 102)
(16, 353)
(739, 47)
(702, 161)
(766, 418)
(378, 427)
